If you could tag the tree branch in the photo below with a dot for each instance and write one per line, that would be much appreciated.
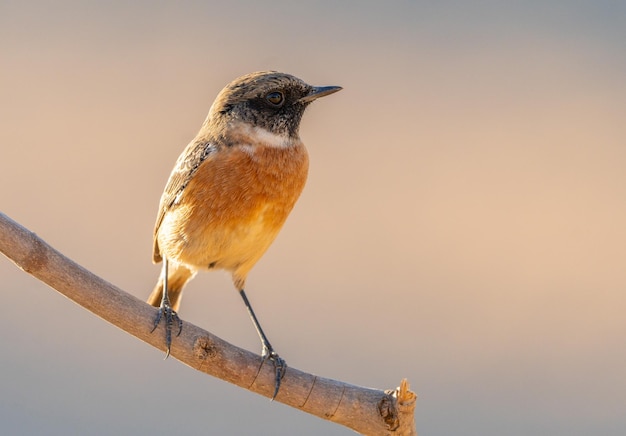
(365, 410)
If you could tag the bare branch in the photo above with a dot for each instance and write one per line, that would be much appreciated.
(365, 410)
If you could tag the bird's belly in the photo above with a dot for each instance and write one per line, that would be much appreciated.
(232, 245)
(235, 244)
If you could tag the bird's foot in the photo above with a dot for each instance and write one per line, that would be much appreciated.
(280, 366)
(170, 315)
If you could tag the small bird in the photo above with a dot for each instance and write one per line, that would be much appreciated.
(231, 191)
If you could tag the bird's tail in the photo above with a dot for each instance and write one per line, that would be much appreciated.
(178, 275)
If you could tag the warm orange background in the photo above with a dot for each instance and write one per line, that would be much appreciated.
(463, 225)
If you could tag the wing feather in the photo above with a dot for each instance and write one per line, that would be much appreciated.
(186, 166)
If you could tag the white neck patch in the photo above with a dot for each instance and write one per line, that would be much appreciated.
(265, 137)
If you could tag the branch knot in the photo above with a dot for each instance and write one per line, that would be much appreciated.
(204, 349)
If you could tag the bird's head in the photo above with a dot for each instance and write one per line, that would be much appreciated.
(268, 100)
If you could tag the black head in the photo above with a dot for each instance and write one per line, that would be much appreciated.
(269, 100)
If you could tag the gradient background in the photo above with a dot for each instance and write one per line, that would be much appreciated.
(463, 223)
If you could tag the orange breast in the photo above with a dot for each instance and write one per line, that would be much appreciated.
(233, 208)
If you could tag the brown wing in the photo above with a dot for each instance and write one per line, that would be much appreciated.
(186, 165)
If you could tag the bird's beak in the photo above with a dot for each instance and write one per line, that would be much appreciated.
(319, 91)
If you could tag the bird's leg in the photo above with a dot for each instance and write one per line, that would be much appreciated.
(280, 366)
(170, 314)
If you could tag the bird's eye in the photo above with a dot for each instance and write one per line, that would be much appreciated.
(275, 98)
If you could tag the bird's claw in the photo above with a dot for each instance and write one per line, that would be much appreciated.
(170, 316)
(280, 367)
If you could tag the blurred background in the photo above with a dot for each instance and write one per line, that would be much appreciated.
(462, 226)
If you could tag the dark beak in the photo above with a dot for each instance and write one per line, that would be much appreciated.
(319, 91)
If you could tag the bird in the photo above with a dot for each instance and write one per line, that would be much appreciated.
(231, 191)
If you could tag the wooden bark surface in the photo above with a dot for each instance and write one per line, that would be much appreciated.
(365, 410)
